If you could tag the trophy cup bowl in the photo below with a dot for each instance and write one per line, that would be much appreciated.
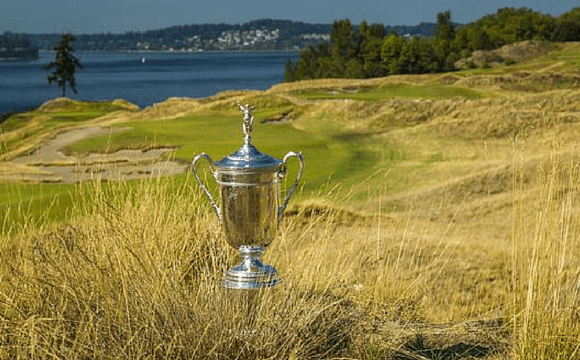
(249, 208)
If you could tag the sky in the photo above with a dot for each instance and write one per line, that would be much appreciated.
(119, 16)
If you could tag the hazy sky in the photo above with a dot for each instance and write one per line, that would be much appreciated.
(118, 16)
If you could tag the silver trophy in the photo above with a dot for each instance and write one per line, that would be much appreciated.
(250, 211)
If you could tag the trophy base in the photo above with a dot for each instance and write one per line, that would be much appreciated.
(251, 273)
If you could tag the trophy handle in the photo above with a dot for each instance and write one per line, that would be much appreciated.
(283, 172)
(207, 193)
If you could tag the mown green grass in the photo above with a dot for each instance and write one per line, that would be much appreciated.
(152, 241)
(28, 204)
(360, 164)
(325, 157)
(31, 205)
(16, 121)
(391, 91)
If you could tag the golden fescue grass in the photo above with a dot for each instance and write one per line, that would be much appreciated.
(545, 262)
(64, 103)
(140, 277)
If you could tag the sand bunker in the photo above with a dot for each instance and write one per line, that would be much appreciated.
(50, 164)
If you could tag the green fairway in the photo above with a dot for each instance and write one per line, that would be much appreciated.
(24, 205)
(326, 154)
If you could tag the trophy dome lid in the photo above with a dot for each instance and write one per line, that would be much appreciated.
(248, 158)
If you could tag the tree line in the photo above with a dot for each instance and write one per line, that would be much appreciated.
(177, 35)
(290, 35)
(368, 51)
(19, 41)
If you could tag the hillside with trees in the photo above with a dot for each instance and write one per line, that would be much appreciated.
(370, 51)
(263, 34)
(13, 47)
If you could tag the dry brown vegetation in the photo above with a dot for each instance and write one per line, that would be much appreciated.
(521, 51)
(138, 276)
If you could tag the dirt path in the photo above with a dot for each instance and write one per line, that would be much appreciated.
(50, 164)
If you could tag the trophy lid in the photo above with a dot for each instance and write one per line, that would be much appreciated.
(247, 157)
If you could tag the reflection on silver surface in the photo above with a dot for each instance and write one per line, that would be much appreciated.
(249, 206)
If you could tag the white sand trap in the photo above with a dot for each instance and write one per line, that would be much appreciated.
(55, 166)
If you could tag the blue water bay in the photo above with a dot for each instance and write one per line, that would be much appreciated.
(143, 78)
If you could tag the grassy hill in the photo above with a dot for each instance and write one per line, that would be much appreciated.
(438, 218)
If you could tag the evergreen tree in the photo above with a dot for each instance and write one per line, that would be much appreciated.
(354, 69)
(344, 45)
(373, 66)
(65, 64)
(376, 31)
(567, 26)
(410, 59)
(289, 71)
(391, 53)
(305, 67)
(370, 39)
(444, 36)
(325, 66)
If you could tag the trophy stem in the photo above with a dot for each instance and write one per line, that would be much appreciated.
(251, 273)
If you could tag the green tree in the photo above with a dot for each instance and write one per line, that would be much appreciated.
(370, 40)
(313, 63)
(363, 37)
(377, 31)
(444, 36)
(354, 69)
(391, 52)
(289, 71)
(372, 63)
(427, 55)
(412, 60)
(64, 64)
(306, 64)
(479, 39)
(325, 66)
(344, 45)
(567, 26)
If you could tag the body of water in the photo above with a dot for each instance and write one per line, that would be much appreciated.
(142, 78)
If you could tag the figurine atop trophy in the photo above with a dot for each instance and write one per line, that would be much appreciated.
(249, 208)
(248, 125)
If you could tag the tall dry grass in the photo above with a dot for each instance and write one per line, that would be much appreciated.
(546, 260)
(139, 277)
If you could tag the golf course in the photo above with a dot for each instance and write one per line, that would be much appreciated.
(437, 218)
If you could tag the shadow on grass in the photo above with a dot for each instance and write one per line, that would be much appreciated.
(418, 349)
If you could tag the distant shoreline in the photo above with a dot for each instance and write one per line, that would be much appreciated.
(175, 52)
(18, 54)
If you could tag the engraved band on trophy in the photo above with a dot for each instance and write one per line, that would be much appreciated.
(249, 208)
